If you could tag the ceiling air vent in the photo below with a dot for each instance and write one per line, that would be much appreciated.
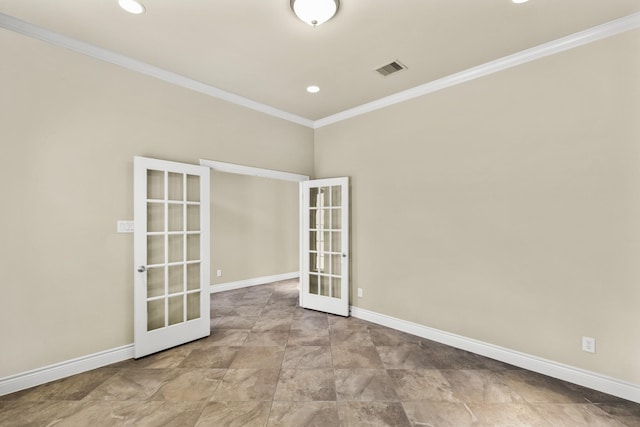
(391, 68)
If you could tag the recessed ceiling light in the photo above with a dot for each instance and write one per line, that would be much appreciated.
(313, 89)
(132, 6)
(519, 1)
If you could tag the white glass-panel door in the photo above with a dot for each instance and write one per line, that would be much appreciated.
(171, 254)
(325, 245)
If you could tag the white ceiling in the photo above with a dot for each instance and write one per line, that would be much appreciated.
(259, 50)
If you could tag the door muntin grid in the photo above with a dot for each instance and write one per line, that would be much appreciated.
(325, 241)
(173, 248)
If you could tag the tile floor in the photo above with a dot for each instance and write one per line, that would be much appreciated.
(270, 363)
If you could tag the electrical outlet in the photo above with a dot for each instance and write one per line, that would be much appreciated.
(219, 273)
(589, 344)
(359, 292)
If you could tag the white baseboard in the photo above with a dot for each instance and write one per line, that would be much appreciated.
(60, 370)
(571, 374)
(253, 282)
(553, 369)
(24, 380)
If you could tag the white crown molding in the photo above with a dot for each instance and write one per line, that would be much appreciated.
(590, 35)
(569, 42)
(25, 28)
(253, 282)
(553, 369)
(64, 369)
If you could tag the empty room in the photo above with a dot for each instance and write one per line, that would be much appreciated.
(320, 213)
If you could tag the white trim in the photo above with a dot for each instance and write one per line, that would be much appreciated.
(582, 377)
(590, 35)
(24, 380)
(599, 32)
(250, 170)
(31, 30)
(253, 282)
(65, 369)
(561, 371)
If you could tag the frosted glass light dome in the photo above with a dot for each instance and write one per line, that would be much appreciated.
(315, 12)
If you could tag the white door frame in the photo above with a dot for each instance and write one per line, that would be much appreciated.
(263, 173)
(251, 171)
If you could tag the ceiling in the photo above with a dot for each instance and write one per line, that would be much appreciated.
(258, 49)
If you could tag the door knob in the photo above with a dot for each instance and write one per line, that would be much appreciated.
(142, 269)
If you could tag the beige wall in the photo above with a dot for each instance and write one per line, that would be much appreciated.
(506, 209)
(254, 227)
(69, 128)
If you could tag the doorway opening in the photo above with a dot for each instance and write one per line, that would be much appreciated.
(254, 227)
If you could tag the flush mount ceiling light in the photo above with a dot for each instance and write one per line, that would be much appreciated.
(519, 1)
(313, 89)
(132, 6)
(315, 12)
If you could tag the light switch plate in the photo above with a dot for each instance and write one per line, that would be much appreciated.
(126, 226)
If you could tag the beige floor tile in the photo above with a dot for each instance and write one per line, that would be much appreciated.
(146, 413)
(405, 356)
(356, 414)
(215, 357)
(304, 414)
(71, 388)
(271, 323)
(422, 385)
(267, 338)
(225, 338)
(247, 384)
(350, 337)
(307, 357)
(309, 337)
(364, 385)
(130, 384)
(306, 385)
(270, 362)
(538, 388)
(441, 414)
(189, 385)
(258, 358)
(236, 322)
(356, 357)
(506, 414)
(575, 414)
(235, 414)
(480, 386)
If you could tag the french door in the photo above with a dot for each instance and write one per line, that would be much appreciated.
(324, 245)
(171, 254)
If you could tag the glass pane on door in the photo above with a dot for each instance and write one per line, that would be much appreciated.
(155, 184)
(155, 314)
(176, 309)
(193, 306)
